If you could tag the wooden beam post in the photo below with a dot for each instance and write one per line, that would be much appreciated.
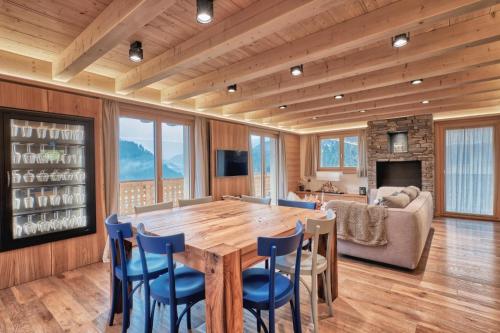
(115, 23)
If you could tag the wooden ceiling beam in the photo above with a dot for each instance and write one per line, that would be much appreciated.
(440, 65)
(422, 46)
(119, 20)
(432, 96)
(260, 19)
(475, 74)
(382, 23)
(486, 99)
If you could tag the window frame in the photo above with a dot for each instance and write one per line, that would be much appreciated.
(264, 134)
(340, 136)
(159, 117)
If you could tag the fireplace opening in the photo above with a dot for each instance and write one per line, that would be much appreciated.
(399, 173)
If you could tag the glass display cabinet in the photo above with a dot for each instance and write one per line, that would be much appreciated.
(48, 191)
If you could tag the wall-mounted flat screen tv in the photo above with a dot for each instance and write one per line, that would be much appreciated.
(232, 163)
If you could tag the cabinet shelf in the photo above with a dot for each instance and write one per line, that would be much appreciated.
(48, 184)
(48, 142)
(46, 210)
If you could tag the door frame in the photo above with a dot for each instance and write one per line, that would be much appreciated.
(440, 178)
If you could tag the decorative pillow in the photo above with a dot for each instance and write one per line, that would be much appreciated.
(416, 189)
(400, 200)
(412, 193)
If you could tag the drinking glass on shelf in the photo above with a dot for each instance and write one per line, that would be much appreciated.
(67, 197)
(65, 157)
(79, 156)
(79, 195)
(78, 133)
(54, 156)
(30, 228)
(41, 131)
(42, 176)
(55, 176)
(54, 198)
(26, 130)
(29, 201)
(79, 175)
(66, 133)
(16, 156)
(14, 129)
(44, 224)
(42, 157)
(16, 177)
(65, 220)
(17, 230)
(16, 202)
(54, 132)
(29, 176)
(42, 199)
(67, 175)
(56, 222)
(28, 156)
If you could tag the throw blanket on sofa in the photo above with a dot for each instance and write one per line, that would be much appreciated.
(360, 223)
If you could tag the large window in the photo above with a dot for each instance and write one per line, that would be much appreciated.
(137, 164)
(264, 166)
(155, 164)
(338, 152)
(469, 170)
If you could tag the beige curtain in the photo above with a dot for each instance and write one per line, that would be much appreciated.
(201, 157)
(311, 156)
(282, 172)
(363, 157)
(251, 189)
(110, 134)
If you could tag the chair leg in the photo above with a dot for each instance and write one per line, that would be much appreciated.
(125, 307)
(329, 293)
(258, 322)
(314, 302)
(293, 316)
(173, 318)
(188, 317)
(114, 298)
(152, 320)
(272, 326)
(266, 264)
(147, 312)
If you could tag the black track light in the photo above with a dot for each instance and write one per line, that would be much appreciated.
(400, 40)
(232, 88)
(297, 70)
(204, 11)
(135, 52)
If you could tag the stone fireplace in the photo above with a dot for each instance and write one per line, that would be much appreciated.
(420, 146)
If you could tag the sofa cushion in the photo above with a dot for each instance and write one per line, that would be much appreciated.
(399, 200)
(386, 190)
(412, 193)
(415, 188)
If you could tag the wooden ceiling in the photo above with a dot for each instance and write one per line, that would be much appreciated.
(344, 45)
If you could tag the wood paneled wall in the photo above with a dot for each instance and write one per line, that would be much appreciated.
(31, 263)
(292, 147)
(224, 135)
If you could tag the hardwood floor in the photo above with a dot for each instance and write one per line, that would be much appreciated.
(456, 288)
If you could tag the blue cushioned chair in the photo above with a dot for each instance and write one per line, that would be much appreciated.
(127, 269)
(185, 286)
(297, 204)
(266, 289)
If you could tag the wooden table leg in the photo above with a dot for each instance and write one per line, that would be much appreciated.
(334, 271)
(223, 290)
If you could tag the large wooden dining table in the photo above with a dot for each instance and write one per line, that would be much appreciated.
(221, 241)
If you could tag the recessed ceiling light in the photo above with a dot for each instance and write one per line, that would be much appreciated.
(339, 96)
(204, 11)
(135, 52)
(232, 88)
(417, 81)
(400, 40)
(314, 118)
(284, 106)
(426, 102)
(297, 70)
(362, 111)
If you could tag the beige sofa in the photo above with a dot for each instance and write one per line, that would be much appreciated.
(407, 231)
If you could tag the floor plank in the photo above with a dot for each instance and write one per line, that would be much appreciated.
(456, 288)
